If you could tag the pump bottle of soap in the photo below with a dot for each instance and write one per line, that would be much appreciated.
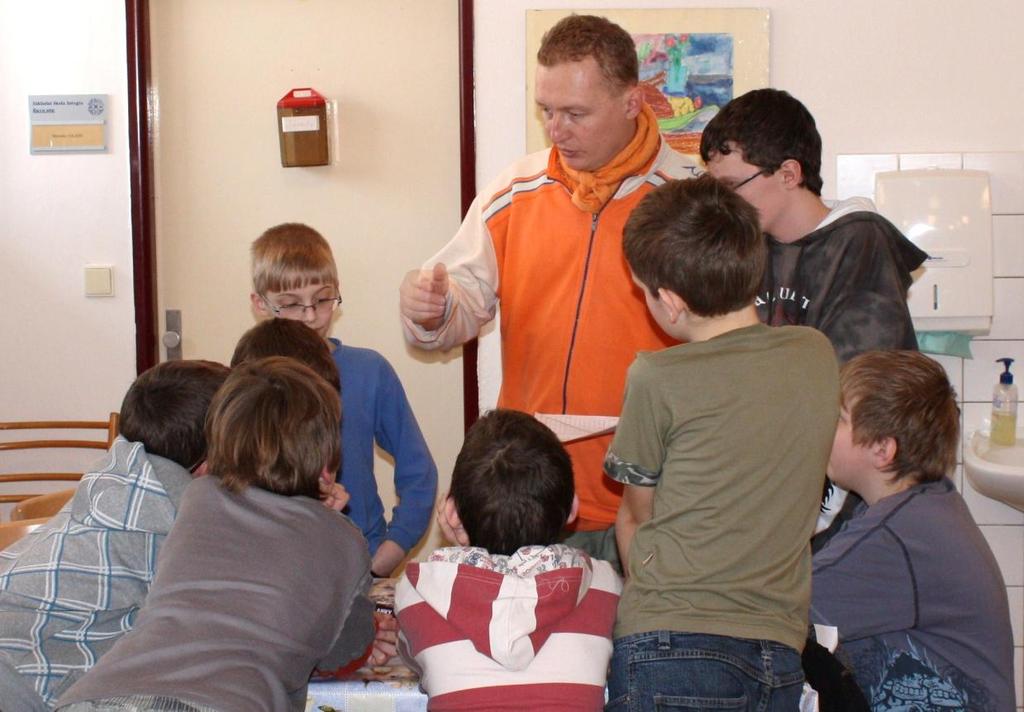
(1004, 407)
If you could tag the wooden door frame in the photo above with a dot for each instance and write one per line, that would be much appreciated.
(140, 152)
(141, 120)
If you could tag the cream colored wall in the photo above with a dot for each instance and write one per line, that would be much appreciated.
(389, 197)
(63, 355)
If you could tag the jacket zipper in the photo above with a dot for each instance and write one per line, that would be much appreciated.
(576, 320)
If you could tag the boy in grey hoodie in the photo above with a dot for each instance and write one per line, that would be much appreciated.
(73, 586)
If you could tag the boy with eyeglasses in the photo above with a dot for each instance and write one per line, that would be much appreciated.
(842, 269)
(295, 277)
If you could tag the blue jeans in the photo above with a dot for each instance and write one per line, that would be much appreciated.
(662, 670)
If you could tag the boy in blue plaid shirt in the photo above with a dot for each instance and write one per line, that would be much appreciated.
(72, 588)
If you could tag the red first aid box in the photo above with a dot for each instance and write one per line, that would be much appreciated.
(302, 128)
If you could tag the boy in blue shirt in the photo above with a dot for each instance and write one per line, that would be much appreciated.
(910, 581)
(294, 277)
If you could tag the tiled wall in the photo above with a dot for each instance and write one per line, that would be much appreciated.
(974, 378)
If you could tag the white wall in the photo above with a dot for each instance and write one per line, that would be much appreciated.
(896, 76)
(63, 355)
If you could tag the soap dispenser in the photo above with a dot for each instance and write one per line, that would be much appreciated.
(1004, 407)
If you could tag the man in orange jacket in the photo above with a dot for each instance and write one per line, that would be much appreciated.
(545, 239)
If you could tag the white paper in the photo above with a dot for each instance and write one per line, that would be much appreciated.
(290, 124)
(570, 427)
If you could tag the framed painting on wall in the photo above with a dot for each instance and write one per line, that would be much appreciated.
(692, 62)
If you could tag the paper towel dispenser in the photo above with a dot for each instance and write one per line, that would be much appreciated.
(948, 214)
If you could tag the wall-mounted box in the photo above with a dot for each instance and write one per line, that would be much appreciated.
(948, 214)
(302, 128)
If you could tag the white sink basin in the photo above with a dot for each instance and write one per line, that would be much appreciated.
(996, 471)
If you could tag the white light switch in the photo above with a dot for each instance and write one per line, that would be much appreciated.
(99, 281)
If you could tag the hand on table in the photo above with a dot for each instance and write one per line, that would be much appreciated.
(385, 642)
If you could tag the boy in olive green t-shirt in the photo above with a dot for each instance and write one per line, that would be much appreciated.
(722, 445)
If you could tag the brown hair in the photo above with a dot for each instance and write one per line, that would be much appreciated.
(903, 395)
(700, 240)
(768, 126)
(577, 37)
(290, 256)
(274, 425)
(287, 337)
(165, 409)
(512, 483)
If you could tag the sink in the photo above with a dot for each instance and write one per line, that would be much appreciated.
(994, 470)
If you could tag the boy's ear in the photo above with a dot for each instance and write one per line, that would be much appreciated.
(673, 303)
(258, 305)
(201, 470)
(791, 173)
(574, 510)
(883, 453)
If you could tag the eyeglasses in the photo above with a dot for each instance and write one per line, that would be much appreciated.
(298, 310)
(744, 182)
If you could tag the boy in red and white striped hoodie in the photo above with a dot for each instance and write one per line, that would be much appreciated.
(515, 620)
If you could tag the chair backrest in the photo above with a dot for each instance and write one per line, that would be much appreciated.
(103, 442)
(42, 506)
(10, 532)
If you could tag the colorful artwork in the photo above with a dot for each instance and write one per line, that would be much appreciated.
(686, 78)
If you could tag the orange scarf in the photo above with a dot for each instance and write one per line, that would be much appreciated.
(591, 190)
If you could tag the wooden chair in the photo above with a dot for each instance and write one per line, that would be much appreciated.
(43, 506)
(109, 428)
(10, 532)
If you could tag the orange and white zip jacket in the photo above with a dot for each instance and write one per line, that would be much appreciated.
(572, 320)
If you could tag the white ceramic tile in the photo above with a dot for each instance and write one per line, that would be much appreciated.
(954, 367)
(1007, 544)
(1006, 173)
(1008, 245)
(975, 415)
(1015, 596)
(952, 161)
(989, 511)
(855, 172)
(981, 373)
(958, 477)
(1007, 309)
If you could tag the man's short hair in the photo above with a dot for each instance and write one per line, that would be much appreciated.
(165, 409)
(274, 425)
(906, 396)
(700, 240)
(577, 37)
(768, 126)
(290, 256)
(512, 483)
(287, 337)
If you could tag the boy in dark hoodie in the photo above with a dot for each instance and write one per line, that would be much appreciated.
(842, 268)
(515, 620)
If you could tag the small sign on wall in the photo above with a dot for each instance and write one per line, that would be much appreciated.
(68, 123)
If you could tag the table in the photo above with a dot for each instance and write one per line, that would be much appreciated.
(391, 688)
(379, 688)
